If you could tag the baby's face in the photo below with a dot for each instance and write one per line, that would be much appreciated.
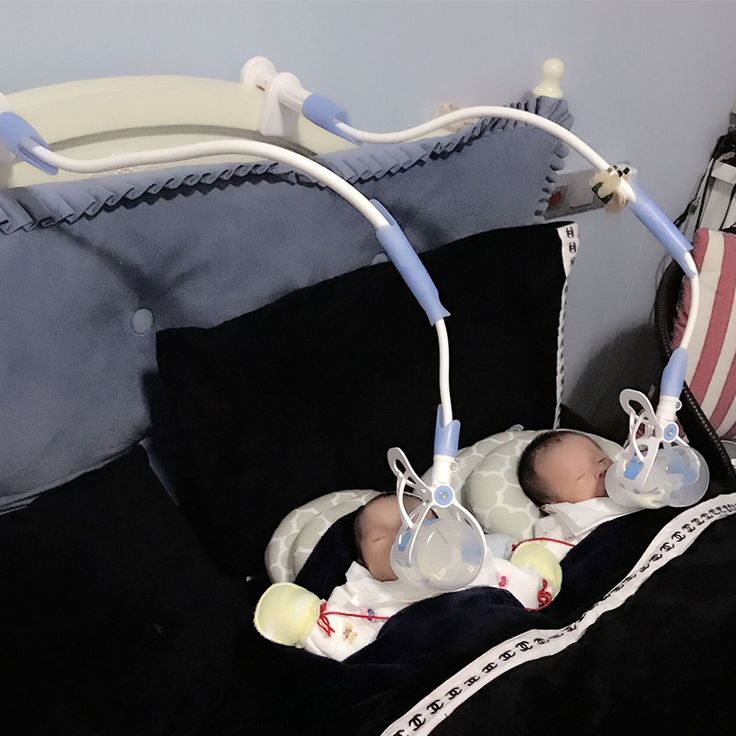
(379, 524)
(574, 470)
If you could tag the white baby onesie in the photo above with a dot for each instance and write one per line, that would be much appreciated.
(338, 636)
(572, 522)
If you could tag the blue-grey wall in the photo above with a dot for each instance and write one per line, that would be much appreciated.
(648, 82)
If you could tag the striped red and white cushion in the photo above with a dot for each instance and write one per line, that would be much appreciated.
(711, 372)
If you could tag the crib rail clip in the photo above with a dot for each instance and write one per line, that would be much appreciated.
(15, 135)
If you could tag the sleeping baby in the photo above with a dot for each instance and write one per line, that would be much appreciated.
(563, 472)
(353, 614)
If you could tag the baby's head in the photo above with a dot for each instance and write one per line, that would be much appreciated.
(375, 527)
(563, 466)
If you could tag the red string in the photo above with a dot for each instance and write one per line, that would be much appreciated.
(324, 623)
(544, 597)
(541, 539)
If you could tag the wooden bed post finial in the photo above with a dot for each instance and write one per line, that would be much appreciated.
(549, 85)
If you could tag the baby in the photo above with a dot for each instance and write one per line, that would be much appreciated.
(375, 528)
(354, 613)
(372, 592)
(562, 466)
(564, 473)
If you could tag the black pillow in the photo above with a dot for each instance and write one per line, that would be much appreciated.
(113, 621)
(306, 394)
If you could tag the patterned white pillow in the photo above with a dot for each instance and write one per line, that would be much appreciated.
(492, 491)
(297, 535)
(300, 530)
(485, 472)
(468, 458)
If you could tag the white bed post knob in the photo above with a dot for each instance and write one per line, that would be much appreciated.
(4, 107)
(257, 72)
(281, 106)
(549, 85)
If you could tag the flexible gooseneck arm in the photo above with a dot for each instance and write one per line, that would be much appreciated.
(330, 116)
(645, 209)
(26, 143)
(648, 428)
(20, 139)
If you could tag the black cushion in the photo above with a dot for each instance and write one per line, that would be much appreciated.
(113, 620)
(306, 394)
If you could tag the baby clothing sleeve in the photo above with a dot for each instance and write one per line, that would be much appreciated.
(355, 612)
(367, 603)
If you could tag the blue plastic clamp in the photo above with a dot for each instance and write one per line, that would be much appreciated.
(13, 131)
(663, 229)
(324, 112)
(446, 436)
(412, 270)
(673, 376)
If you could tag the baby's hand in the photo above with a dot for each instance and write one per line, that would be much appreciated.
(538, 558)
(286, 613)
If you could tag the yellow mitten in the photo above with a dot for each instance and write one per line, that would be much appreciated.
(286, 613)
(537, 557)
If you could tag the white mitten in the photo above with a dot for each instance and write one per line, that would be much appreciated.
(537, 557)
(286, 613)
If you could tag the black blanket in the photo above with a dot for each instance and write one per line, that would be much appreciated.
(114, 624)
(653, 660)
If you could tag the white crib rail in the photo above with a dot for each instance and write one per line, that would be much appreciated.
(95, 118)
(101, 117)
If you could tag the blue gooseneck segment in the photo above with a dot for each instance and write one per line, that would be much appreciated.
(659, 225)
(324, 112)
(673, 376)
(13, 131)
(412, 270)
(446, 436)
